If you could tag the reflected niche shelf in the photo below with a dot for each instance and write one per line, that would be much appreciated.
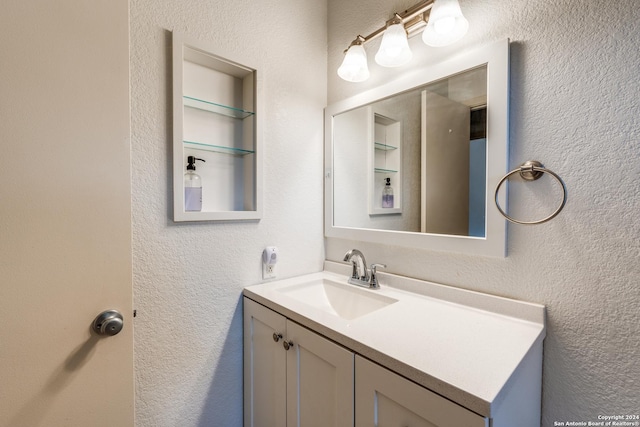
(380, 170)
(216, 103)
(386, 163)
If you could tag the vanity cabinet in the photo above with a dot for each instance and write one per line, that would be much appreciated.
(216, 119)
(295, 377)
(384, 398)
(292, 376)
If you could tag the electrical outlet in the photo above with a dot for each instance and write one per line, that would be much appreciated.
(268, 271)
(269, 260)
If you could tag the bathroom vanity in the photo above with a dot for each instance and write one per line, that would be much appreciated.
(321, 352)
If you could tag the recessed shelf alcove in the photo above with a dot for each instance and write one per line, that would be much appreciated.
(216, 118)
(386, 158)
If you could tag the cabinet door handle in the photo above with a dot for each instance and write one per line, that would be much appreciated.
(276, 336)
(287, 344)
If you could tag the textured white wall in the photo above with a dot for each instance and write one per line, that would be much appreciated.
(188, 278)
(574, 106)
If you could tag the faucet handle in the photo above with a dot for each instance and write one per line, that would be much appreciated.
(373, 279)
(375, 266)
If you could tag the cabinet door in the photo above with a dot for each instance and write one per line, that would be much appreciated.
(264, 367)
(319, 381)
(385, 399)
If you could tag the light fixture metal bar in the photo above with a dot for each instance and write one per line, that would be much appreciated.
(417, 23)
(416, 10)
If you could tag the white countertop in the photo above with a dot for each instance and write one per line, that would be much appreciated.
(461, 344)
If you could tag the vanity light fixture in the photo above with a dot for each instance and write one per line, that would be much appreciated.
(444, 24)
(394, 48)
(354, 66)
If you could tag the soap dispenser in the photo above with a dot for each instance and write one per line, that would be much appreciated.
(192, 187)
(387, 195)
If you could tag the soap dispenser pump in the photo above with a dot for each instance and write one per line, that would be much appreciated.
(192, 187)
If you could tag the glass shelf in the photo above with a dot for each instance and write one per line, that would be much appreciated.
(217, 148)
(212, 107)
(384, 147)
(381, 170)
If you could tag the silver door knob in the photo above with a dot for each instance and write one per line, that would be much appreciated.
(287, 344)
(108, 323)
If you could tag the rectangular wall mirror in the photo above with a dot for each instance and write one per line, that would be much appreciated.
(413, 163)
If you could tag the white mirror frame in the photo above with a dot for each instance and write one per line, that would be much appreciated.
(496, 57)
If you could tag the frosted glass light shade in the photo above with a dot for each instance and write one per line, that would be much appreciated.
(446, 24)
(354, 65)
(394, 48)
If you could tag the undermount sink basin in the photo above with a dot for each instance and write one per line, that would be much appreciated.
(345, 301)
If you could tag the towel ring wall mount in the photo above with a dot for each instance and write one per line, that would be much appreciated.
(530, 171)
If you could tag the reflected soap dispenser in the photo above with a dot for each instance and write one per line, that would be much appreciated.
(192, 187)
(387, 195)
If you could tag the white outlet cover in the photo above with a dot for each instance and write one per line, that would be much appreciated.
(268, 271)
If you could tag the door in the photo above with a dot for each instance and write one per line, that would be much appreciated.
(293, 376)
(265, 366)
(385, 399)
(319, 380)
(65, 228)
(445, 175)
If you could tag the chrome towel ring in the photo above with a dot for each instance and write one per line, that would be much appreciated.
(530, 171)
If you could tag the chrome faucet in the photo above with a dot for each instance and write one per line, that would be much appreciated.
(360, 274)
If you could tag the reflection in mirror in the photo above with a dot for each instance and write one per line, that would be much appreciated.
(415, 161)
(438, 135)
